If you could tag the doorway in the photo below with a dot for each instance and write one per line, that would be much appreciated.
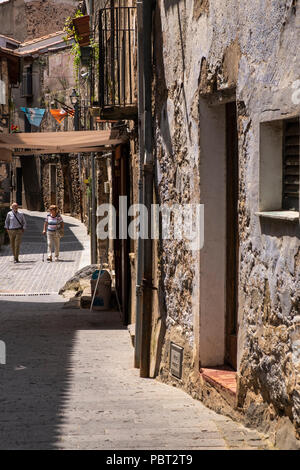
(219, 182)
(121, 185)
(53, 183)
(232, 234)
(19, 186)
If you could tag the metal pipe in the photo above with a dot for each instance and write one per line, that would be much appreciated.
(145, 314)
(140, 244)
(146, 324)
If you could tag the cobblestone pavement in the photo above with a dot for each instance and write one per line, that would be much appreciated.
(32, 275)
(68, 382)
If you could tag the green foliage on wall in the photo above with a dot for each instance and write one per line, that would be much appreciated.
(71, 33)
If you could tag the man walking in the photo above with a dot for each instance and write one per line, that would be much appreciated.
(15, 225)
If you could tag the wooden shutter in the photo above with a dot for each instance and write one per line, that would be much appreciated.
(291, 136)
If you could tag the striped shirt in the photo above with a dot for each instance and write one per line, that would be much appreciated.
(11, 221)
(53, 222)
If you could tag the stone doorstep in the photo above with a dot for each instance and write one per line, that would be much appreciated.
(223, 379)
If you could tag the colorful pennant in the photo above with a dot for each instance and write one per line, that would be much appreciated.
(59, 114)
(34, 115)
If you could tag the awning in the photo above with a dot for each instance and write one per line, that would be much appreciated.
(40, 143)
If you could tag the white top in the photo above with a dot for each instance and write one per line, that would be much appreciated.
(15, 220)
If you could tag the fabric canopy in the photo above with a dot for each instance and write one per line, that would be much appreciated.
(58, 142)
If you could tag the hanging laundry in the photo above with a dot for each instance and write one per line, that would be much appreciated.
(59, 114)
(34, 115)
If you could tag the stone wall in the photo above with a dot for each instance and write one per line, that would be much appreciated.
(26, 19)
(53, 78)
(4, 128)
(201, 53)
(67, 183)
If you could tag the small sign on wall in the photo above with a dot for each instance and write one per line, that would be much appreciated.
(176, 358)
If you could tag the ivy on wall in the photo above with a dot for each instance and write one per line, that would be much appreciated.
(71, 33)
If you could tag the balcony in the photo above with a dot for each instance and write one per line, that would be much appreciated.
(117, 96)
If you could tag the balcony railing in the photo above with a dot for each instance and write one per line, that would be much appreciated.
(117, 56)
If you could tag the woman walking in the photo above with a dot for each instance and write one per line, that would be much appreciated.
(53, 226)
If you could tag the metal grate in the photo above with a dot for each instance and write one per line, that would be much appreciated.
(291, 136)
(116, 45)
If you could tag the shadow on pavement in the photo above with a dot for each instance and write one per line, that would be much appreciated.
(35, 382)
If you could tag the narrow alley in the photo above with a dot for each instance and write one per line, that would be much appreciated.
(166, 134)
(69, 381)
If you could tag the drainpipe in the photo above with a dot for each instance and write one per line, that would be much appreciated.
(140, 244)
(146, 317)
(90, 12)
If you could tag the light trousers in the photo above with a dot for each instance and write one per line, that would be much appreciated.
(15, 237)
(53, 241)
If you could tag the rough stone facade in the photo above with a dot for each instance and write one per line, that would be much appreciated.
(5, 182)
(26, 19)
(52, 78)
(204, 52)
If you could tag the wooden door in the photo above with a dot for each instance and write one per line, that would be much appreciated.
(121, 246)
(232, 239)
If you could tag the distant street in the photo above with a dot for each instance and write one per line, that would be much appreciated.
(32, 274)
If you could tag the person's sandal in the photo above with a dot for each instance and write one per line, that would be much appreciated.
(49, 259)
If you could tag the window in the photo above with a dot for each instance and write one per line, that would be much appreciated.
(27, 82)
(290, 189)
(279, 168)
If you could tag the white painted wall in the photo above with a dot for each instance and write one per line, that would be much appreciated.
(270, 178)
(213, 254)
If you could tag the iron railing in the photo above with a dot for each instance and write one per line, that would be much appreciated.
(117, 46)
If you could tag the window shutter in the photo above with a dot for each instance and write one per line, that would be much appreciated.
(291, 142)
